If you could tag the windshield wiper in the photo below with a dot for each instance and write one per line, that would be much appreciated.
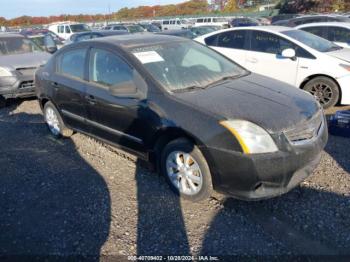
(188, 88)
(225, 78)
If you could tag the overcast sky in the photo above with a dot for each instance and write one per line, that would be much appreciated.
(15, 8)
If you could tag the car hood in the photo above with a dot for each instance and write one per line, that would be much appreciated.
(342, 54)
(24, 60)
(269, 103)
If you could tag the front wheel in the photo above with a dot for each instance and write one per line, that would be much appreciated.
(324, 89)
(186, 170)
(54, 122)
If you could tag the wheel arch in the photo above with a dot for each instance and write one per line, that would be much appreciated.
(309, 78)
(163, 137)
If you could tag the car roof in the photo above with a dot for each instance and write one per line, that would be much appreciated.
(270, 28)
(340, 24)
(138, 40)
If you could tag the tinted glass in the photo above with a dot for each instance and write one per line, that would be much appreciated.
(180, 65)
(274, 44)
(339, 34)
(317, 30)
(17, 45)
(79, 28)
(313, 41)
(233, 39)
(72, 63)
(68, 30)
(165, 22)
(108, 69)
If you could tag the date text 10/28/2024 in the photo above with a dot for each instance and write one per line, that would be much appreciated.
(173, 258)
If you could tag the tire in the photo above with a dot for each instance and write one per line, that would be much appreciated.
(2, 102)
(195, 187)
(324, 89)
(54, 122)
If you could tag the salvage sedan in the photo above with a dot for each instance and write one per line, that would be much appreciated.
(203, 121)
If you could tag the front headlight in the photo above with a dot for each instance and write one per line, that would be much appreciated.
(252, 138)
(4, 72)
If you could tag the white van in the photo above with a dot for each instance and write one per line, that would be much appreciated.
(176, 23)
(216, 21)
(65, 30)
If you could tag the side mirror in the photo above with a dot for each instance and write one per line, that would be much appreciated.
(124, 89)
(289, 53)
(51, 49)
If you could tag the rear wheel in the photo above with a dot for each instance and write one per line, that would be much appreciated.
(324, 89)
(54, 122)
(186, 170)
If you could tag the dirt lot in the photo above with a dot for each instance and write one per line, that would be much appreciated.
(77, 196)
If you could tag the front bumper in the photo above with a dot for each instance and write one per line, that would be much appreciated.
(261, 176)
(17, 86)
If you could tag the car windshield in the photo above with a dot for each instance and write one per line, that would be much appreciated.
(186, 65)
(17, 45)
(313, 41)
(79, 28)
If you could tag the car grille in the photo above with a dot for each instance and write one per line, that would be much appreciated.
(28, 71)
(307, 131)
(27, 84)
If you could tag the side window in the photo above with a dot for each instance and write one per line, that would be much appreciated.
(165, 22)
(68, 31)
(232, 39)
(316, 30)
(61, 29)
(212, 40)
(172, 22)
(339, 34)
(200, 20)
(108, 69)
(72, 63)
(264, 42)
(178, 22)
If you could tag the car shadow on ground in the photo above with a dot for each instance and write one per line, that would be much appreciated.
(53, 203)
(338, 151)
(303, 222)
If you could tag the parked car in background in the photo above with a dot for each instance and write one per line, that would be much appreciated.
(115, 27)
(202, 120)
(280, 17)
(19, 59)
(149, 27)
(338, 33)
(187, 33)
(212, 21)
(306, 19)
(243, 21)
(296, 57)
(32, 31)
(45, 41)
(176, 23)
(205, 29)
(130, 28)
(65, 30)
(93, 34)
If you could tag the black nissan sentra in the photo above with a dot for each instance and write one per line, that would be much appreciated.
(203, 121)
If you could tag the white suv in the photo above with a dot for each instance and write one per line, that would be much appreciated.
(66, 30)
(293, 56)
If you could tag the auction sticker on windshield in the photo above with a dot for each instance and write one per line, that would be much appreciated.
(148, 57)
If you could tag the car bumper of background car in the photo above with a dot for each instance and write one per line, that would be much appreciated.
(261, 176)
(17, 86)
(344, 83)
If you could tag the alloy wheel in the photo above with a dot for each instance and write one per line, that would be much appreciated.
(52, 121)
(184, 172)
(322, 92)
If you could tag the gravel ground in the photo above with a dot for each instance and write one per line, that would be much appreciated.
(78, 197)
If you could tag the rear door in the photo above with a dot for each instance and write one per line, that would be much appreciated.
(69, 86)
(115, 118)
(231, 44)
